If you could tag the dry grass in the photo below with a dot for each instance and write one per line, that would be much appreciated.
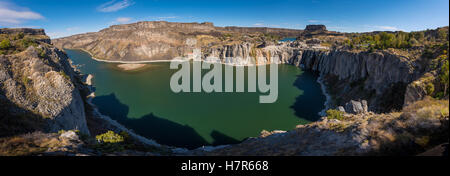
(428, 108)
(28, 144)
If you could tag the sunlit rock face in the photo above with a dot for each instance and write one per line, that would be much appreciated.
(160, 40)
(380, 77)
(42, 82)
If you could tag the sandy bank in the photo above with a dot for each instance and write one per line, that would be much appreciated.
(130, 67)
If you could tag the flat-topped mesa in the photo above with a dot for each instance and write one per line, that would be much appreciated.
(206, 26)
(275, 31)
(28, 31)
(37, 35)
(316, 28)
(162, 40)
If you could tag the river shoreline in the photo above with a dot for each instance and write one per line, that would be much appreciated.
(150, 141)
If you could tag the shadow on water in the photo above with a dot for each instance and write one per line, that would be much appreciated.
(221, 139)
(159, 129)
(308, 104)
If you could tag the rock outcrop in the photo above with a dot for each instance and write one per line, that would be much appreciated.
(360, 75)
(41, 81)
(355, 134)
(159, 40)
(379, 74)
(356, 107)
(316, 28)
(28, 31)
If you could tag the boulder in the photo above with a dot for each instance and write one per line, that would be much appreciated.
(341, 108)
(69, 135)
(356, 107)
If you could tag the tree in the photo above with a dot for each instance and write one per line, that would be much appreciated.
(444, 75)
(5, 44)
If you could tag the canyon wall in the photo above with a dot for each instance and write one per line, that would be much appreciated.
(39, 84)
(379, 77)
(159, 40)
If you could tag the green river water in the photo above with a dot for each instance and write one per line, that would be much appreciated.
(143, 101)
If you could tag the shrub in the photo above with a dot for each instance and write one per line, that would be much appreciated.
(19, 36)
(41, 52)
(26, 42)
(444, 75)
(5, 44)
(64, 75)
(110, 142)
(429, 88)
(109, 137)
(26, 81)
(335, 114)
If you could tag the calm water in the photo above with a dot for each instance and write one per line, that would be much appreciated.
(144, 102)
(287, 39)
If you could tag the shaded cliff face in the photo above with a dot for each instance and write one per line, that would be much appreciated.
(379, 77)
(40, 84)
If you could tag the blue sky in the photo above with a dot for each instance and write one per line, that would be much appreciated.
(66, 17)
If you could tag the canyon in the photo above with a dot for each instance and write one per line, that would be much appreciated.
(384, 92)
(377, 73)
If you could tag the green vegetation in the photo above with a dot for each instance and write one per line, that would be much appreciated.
(110, 142)
(397, 40)
(26, 81)
(5, 44)
(14, 43)
(109, 137)
(67, 77)
(441, 65)
(42, 52)
(429, 88)
(271, 37)
(443, 77)
(335, 114)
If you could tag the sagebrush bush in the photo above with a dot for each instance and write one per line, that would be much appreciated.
(335, 114)
(109, 137)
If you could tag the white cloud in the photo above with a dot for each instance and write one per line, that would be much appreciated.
(113, 6)
(381, 28)
(9, 14)
(54, 35)
(72, 29)
(63, 33)
(123, 20)
(258, 24)
(388, 28)
(318, 21)
(162, 18)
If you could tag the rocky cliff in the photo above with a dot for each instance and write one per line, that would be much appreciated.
(380, 77)
(159, 40)
(411, 131)
(39, 83)
(41, 91)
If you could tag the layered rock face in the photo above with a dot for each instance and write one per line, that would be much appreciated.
(380, 77)
(22, 30)
(158, 40)
(359, 75)
(313, 28)
(40, 81)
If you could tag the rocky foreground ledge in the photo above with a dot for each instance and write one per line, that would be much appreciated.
(413, 130)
